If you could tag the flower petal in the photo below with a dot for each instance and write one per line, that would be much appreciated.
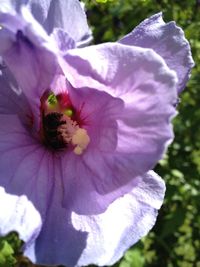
(76, 28)
(29, 45)
(90, 188)
(17, 213)
(168, 41)
(35, 173)
(98, 113)
(147, 87)
(29, 54)
(135, 214)
(32, 165)
(12, 99)
(51, 14)
(116, 154)
(63, 40)
(97, 239)
(58, 232)
(117, 69)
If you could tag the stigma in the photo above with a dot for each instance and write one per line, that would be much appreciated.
(61, 126)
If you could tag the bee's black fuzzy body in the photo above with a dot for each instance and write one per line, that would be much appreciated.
(52, 134)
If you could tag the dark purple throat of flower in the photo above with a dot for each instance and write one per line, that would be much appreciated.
(61, 124)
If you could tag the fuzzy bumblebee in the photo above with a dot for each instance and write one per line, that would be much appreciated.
(54, 126)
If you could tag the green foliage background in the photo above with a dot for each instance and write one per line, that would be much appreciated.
(175, 239)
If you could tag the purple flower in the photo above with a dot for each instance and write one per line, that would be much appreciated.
(81, 128)
(168, 41)
(56, 14)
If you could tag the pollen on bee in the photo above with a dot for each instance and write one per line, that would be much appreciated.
(81, 140)
(78, 150)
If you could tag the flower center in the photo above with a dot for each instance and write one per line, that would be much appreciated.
(60, 127)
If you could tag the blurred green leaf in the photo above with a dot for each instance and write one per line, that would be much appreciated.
(133, 258)
(6, 254)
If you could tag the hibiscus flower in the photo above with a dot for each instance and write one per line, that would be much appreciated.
(81, 129)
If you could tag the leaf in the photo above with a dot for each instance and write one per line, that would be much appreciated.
(133, 258)
(6, 254)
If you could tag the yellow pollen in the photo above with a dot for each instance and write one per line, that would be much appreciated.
(81, 140)
(68, 112)
(78, 150)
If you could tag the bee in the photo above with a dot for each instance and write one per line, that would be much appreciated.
(53, 125)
